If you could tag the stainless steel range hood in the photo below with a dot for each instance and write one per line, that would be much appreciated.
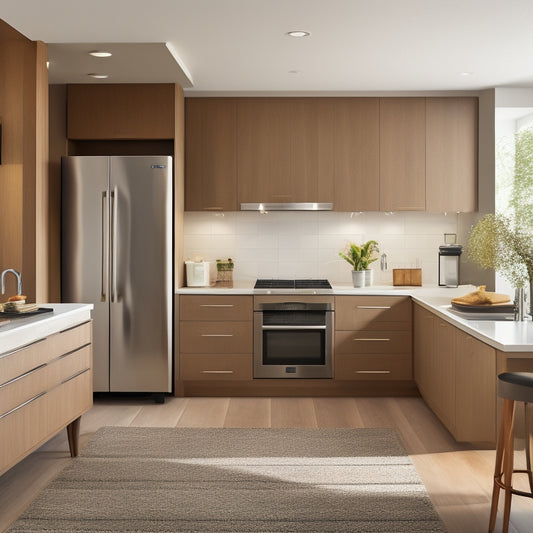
(287, 206)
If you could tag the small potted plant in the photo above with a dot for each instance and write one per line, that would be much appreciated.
(360, 258)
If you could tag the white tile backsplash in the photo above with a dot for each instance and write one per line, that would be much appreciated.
(305, 245)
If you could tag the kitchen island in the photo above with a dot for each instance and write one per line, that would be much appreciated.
(45, 378)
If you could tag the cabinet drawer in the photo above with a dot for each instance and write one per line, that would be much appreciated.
(372, 312)
(369, 367)
(216, 337)
(17, 362)
(215, 367)
(357, 342)
(30, 426)
(43, 379)
(208, 307)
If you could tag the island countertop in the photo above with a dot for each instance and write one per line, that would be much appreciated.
(504, 335)
(19, 332)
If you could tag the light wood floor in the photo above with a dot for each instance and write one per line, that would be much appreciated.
(457, 477)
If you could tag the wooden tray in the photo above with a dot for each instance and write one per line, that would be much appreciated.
(14, 314)
(490, 308)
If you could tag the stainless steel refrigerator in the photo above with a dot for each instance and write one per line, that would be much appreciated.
(117, 254)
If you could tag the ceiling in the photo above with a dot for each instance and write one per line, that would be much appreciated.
(241, 46)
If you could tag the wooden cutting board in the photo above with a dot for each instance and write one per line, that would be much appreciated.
(407, 276)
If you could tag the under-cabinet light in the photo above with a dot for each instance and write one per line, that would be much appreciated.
(97, 53)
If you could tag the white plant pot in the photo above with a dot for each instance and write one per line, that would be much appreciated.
(358, 278)
(369, 277)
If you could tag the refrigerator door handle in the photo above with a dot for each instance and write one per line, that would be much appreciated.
(105, 249)
(114, 237)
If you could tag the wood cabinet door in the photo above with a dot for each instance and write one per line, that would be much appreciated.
(402, 145)
(263, 150)
(355, 153)
(475, 411)
(451, 154)
(120, 111)
(424, 348)
(210, 154)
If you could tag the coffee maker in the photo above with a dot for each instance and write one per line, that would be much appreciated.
(449, 261)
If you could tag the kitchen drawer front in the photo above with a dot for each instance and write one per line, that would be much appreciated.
(30, 426)
(373, 367)
(365, 341)
(216, 337)
(233, 367)
(372, 312)
(43, 379)
(208, 307)
(22, 360)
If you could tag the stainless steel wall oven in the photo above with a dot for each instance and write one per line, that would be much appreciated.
(293, 338)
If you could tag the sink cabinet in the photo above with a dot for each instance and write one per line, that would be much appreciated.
(44, 387)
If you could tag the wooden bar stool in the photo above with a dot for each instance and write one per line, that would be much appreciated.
(512, 387)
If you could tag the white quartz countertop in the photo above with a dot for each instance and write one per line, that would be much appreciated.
(19, 332)
(504, 335)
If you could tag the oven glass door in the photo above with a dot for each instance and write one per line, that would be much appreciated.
(293, 344)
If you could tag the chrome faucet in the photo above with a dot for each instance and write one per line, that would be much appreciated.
(383, 262)
(19, 280)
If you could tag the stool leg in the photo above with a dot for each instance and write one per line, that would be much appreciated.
(508, 465)
(505, 425)
(529, 445)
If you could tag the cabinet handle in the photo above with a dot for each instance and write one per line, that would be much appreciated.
(216, 335)
(372, 306)
(7, 354)
(371, 340)
(372, 372)
(213, 208)
(217, 371)
(216, 305)
(294, 327)
(22, 375)
(22, 405)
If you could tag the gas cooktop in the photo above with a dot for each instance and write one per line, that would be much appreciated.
(292, 284)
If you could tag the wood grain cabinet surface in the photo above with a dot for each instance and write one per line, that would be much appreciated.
(210, 154)
(456, 376)
(44, 387)
(373, 338)
(120, 111)
(216, 338)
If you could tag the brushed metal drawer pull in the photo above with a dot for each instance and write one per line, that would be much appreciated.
(372, 371)
(373, 307)
(215, 335)
(217, 371)
(371, 340)
(22, 405)
(293, 327)
(217, 305)
(7, 354)
(22, 375)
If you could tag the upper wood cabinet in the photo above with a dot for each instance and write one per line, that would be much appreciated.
(210, 154)
(451, 154)
(402, 156)
(278, 142)
(354, 153)
(120, 111)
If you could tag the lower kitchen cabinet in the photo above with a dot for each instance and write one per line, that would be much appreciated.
(216, 338)
(373, 338)
(44, 387)
(456, 376)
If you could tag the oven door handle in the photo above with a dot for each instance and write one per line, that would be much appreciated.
(294, 327)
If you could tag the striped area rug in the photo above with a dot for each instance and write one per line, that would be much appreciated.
(236, 480)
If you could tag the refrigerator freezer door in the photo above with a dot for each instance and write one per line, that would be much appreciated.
(85, 249)
(141, 274)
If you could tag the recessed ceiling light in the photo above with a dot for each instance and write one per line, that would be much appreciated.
(294, 72)
(96, 53)
(466, 73)
(98, 76)
(298, 33)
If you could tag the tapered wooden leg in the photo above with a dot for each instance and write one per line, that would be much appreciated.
(505, 429)
(529, 446)
(508, 465)
(73, 432)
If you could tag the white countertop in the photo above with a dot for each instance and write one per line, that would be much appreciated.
(504, 335)
(21, 331)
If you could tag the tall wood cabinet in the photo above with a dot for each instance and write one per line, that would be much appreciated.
(402, 157)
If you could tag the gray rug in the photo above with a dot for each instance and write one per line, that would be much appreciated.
(236, 480)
